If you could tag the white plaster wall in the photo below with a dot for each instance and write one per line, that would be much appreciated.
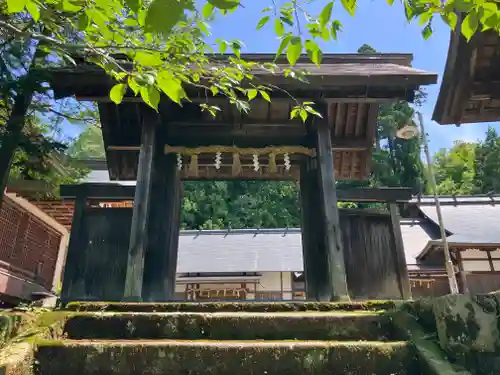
(476, 265)
(474, 253)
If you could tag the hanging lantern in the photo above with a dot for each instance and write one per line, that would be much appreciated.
(179, 161)
(288, 164)
(256, 165)
(218, 160)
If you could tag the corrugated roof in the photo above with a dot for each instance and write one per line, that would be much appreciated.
(245, 250)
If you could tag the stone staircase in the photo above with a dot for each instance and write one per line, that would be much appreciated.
(227, 339)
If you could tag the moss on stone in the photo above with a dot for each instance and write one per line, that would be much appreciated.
(221, 358)
(231, 306)
(231, 326)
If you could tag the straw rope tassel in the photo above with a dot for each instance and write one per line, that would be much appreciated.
(272, 167)
(236, 167)
(193, 165)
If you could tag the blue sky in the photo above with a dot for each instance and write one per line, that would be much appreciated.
(375, 23)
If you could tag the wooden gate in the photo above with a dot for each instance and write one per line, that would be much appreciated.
(369, 252)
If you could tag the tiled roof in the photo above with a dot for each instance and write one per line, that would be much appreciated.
(416, 235)
(243, 250)
(474, 220)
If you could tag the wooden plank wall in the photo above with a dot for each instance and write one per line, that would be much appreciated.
(369, 256)
(370, 264)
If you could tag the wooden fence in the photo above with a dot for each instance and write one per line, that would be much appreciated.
(29, 247)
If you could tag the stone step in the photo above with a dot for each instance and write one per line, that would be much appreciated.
(249, 306)
(231, 326)
(225, 358)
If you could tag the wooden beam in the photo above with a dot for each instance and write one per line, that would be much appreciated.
(399, 253)
(164, 223)
(333, 285)
(114, 191)
(309, 201)
(138, 230)
(73, 287)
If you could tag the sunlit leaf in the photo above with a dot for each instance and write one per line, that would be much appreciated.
(425, 18)
(251, 94)
(162, 15)
(265, 95)
(224, 4)
(263, 22)
(134, 5)
(349, 6)
(294, 50)
(314, 52)
(207, 10)
(71, 6)
(32, 8)
(171, 86)
(117, 92)
(132, 83)
(279, 28)
(470, 25)
(283, 45)
(151, 96)
(15, 6)
(325, 15)
(451, 19)
(390, 2)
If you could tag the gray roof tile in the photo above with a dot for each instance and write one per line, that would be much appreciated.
(469, 223)
(240, 251)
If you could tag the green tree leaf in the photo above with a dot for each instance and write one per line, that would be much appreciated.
(207, 10)
(162, 15)
(171, 86)
(314, 52)
(294, 50)
(349, 6)
(134, 5)
(450, 18)
(224, 4)
(427, 31)
(425, 17)
(390, 2)
(470, 25)
(151, 96)
(265, 95)
(279, 28)
(71, 6)
(117, 92)
(132, 83)
(32, 8)
(284, 43)
(16, 6)
(251, 94)
(335, 28)
(263, 21)
(83, 22)
(325, 15)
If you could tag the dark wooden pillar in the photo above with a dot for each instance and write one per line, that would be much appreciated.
(334, 285)
(73, 287)
(309, 200)
(398, 252)
(138, 230)
(164, 222)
